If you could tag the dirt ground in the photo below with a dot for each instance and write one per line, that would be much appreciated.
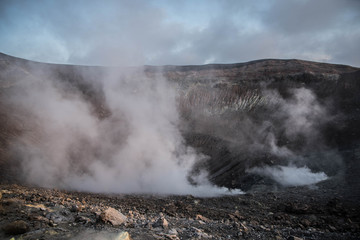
(292, 213)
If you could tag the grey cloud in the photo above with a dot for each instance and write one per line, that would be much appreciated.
(294, 17)
(345, 48)
(145, 32)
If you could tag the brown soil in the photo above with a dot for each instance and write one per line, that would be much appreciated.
(294, 213)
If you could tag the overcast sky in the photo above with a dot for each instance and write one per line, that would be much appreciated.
(158, 32)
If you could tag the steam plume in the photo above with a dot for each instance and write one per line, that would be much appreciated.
(290, 175)
(137, 148)
(298, 119)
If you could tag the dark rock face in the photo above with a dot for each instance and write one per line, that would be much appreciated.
(228, 110)
(236, 114)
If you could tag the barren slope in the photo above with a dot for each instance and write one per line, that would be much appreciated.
(217, 102)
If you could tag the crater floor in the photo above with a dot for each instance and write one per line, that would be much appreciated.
(292, 213)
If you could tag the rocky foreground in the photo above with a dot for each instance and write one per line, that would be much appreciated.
(294, 213)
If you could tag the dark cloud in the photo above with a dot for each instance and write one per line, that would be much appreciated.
(187, 32)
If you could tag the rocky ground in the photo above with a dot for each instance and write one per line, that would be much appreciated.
(294, 213)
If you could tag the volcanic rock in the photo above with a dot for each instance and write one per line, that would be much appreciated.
(113, 216)
(202, 218)
(294, 238)
(123, 236)
(173, 231)
(16, 227)
(161, 222)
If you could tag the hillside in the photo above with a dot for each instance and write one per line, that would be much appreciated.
(156, 143)
(216, 101)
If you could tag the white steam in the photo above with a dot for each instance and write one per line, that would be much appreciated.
(299, 118)
(301, 114)
(136, 149)
(290, 175)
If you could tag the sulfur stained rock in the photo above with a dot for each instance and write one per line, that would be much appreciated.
(113, 216)
(123, 236)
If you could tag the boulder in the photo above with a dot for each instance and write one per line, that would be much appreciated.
(113, 216)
